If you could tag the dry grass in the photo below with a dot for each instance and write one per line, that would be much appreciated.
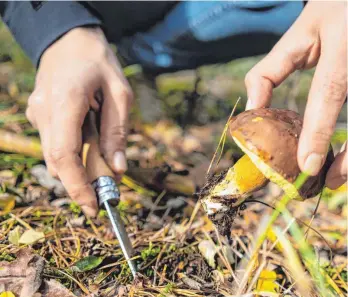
(179, 252)
(169, 258)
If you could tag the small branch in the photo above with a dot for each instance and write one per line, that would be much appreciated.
(14, 143)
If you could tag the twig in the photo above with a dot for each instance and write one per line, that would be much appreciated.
(14, 143)
(222, 139)
(157, 261)
(313, 215)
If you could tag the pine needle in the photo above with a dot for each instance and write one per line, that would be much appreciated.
(222, 139)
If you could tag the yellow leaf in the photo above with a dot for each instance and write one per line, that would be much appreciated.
(267, 282)
(30, 237)
(7, 203)
(273, 237)
(208, 226)
(181, 265)
(7, 294)
(14, 235)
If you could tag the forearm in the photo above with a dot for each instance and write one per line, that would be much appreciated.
(36, 26)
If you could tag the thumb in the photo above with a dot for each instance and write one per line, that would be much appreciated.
(114, 122)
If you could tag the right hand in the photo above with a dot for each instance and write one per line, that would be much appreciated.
(72, 70)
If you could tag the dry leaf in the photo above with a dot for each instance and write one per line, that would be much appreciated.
(218, 277)
(191, 283)
(208, 251)
(31, 236)
(14, 235)
(7, 202)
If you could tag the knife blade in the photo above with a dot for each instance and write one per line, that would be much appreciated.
(102, 179)
(107, 192)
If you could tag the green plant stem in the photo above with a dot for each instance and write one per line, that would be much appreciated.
(305, 250)
(308, 255)
(280, 207)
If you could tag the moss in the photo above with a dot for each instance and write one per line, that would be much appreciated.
(168, 289)
(75, 208)
(150, 252)
(7, 257)
(102, 213)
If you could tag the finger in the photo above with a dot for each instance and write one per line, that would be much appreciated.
(114, 121)
(64, 151)
(325, 101)
(337, 174)
(42, 123)
(286, 57)
(45, 135)
(29, 115)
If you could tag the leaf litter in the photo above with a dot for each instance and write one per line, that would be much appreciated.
(48, 247)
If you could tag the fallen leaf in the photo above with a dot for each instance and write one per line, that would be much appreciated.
(7, 294)
(273, 238)
(191, 283)
(7, 202)
(218, 277)
(31, 236)
(122, 291)
(14, 235)
(87, 263)
(208, 251)
(267, 282)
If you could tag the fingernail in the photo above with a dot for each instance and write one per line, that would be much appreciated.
(249, 105)
(313, 164)
(89, 211)
(120, 162)
(336, 182)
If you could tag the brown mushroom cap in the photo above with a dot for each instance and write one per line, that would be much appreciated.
(272, 135)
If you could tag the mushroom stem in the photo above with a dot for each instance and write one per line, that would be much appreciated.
(232, 187)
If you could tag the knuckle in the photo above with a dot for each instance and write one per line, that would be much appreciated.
(29, 115)
(57, 155)
(123, 92)
(249, 77)
(35, 99)
(293, 57)
(76, 193)
(63, 93)
(52, 172)
(50, 164)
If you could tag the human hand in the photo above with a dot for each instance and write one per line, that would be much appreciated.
(317, 38)
(71, 73)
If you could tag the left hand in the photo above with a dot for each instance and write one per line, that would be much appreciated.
(317, 38)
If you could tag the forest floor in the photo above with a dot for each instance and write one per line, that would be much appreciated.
(47, 245)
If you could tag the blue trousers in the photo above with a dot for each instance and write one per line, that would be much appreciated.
(197, 33)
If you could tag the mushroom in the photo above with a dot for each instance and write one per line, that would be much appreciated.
(269, 138)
